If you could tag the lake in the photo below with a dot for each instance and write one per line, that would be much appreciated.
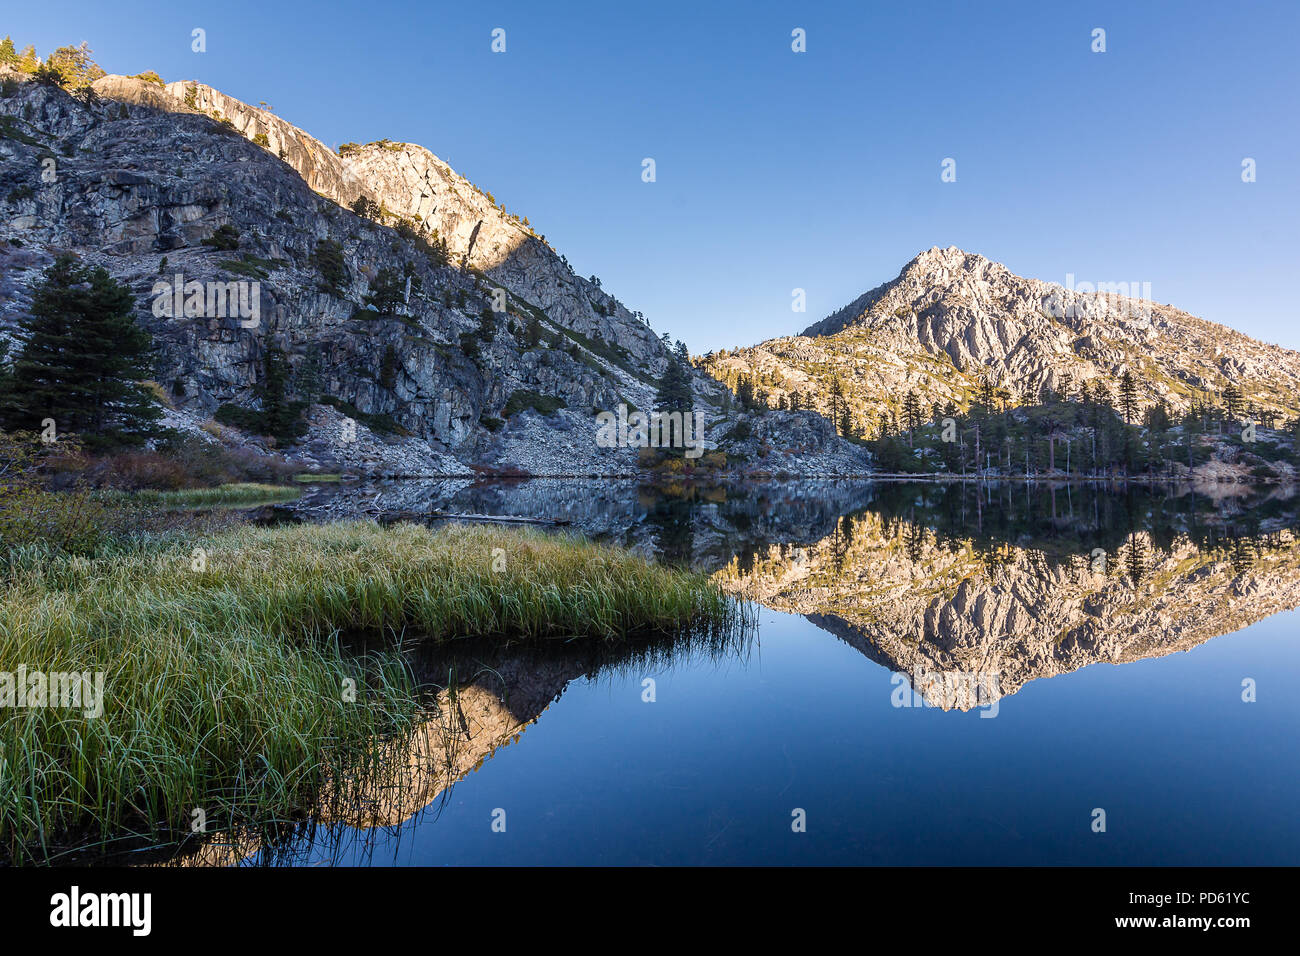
(992, 674)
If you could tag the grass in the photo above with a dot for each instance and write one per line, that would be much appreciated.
(526, 398)
(237, 493)
(224, 676)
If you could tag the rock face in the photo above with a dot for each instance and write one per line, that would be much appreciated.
(951, 317)
(495, 354)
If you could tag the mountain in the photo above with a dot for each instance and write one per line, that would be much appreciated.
(376, 272)
(951, 318)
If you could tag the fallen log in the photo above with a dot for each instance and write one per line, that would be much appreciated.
(452, 516)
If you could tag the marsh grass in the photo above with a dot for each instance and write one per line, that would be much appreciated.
(224, 686)
(235, 494)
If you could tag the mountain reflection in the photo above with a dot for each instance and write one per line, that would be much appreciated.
(966, 592)
(930, 579)
(948, 583)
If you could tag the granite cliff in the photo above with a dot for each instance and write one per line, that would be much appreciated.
(427, 330)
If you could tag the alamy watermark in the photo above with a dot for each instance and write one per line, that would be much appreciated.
(946, 690)
(1124, 298)
(69, 690)
(656, 430)
(176, 298)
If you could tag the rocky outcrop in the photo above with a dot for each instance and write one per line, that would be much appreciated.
(951, 318)
(494, 354)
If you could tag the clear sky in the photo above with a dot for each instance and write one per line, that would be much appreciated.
(779, 170)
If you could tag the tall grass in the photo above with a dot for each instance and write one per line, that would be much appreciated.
(237, 493)
(225, 676)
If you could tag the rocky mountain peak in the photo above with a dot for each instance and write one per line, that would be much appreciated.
(951, 318)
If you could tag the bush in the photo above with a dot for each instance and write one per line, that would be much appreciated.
(525, 398)
(236, 416)
(30, 514)
(740, 431)
(224, 237)
(328, 261)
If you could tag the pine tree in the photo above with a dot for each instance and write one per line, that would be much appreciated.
(745, 392)
(1232, 400)
(911, 414)
(8, 55)
(387, 292)
(1128, 396)
(281, 417)
(674, 389)
(82, 360)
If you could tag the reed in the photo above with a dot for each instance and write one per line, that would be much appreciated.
(226, 670)
(237, 493)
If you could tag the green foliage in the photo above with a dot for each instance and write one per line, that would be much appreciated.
(224, 237)
(363, 205)
(82, 360)
(328, 261)
(237, 416)
(526, 398)
(31, 516)
(280, 416)
(387, 291)
(247, 265)
(70, 67)
(673, 392)
(380, 424)
(740, 431)
(533, 334)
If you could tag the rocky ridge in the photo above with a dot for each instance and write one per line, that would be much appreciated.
(145, 174)
(952, 317)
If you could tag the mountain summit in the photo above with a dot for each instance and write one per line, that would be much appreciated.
(952, 319)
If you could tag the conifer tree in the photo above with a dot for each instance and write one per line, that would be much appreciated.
(1128, 396)
(82, 360)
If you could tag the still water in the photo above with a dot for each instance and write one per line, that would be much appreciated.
(940, 675)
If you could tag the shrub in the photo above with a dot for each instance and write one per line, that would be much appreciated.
(525, 398)
(225, 237)
(245, 419)
(32, 515)
(328, 261)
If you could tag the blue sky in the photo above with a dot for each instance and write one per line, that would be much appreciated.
(779, 170)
